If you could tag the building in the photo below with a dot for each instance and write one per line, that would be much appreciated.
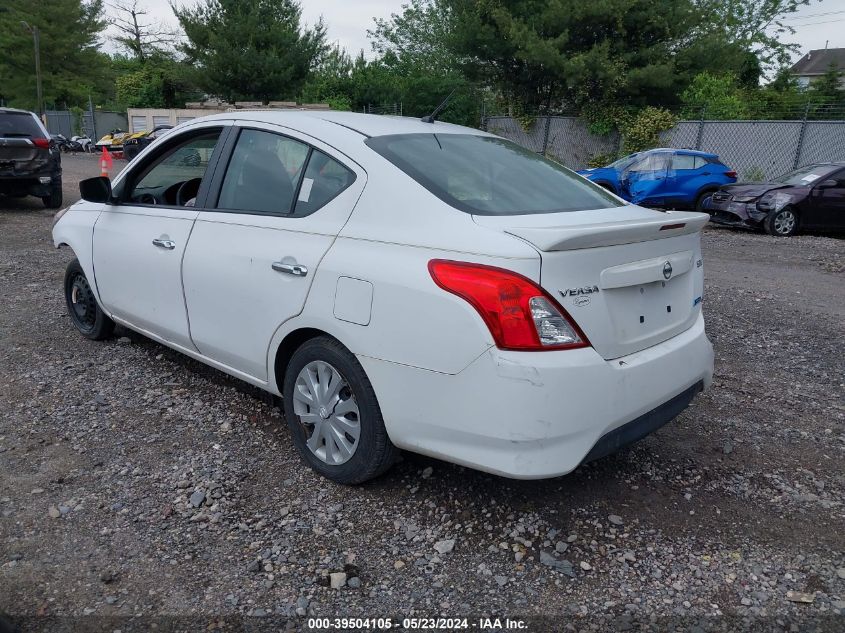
(816, 63)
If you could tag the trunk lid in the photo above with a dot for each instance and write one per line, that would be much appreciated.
(629, 277)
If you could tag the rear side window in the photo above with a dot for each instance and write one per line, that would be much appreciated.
(20, 125)
(683, 161)
(700, 162)
(485, 175)
(324, 179)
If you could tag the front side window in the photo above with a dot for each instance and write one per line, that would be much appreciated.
(652, 162)
(486, 175)
(174, 177)
(263, 173)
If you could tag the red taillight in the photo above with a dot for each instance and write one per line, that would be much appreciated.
(519, 314)
(43, 143)
(730, 174)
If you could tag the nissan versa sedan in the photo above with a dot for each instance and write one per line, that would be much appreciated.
(402, 284)
(811, 197)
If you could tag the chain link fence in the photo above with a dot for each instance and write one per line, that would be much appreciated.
(757, 150)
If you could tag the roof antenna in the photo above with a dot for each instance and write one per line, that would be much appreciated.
(431, 117)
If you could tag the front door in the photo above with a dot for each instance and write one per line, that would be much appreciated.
(140, 239)
(827, 204)
(646, 179)
(251, 260)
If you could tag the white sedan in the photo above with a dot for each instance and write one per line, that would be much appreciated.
(402, 284)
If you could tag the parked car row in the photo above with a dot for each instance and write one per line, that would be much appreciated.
(812, 197)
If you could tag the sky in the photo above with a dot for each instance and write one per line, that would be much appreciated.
(348, 20)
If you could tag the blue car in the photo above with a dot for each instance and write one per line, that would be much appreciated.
(664, 177)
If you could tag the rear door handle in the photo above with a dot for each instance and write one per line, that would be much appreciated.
(168, 244)
(291, 269)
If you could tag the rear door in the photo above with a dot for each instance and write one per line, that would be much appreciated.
(827, 205)
(280, 201)
(139, 241)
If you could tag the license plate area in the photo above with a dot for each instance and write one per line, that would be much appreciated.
(650, 310)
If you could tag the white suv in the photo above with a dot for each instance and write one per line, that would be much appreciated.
(401, 284)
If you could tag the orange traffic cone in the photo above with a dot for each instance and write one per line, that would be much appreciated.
(105, 163)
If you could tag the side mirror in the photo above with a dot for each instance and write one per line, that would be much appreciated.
(827, 184)
(95, 189)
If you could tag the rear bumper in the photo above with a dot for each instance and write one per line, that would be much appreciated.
(30, 185)
(540, 414)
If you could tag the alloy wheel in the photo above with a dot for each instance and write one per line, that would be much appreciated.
(328, 411)
(784, 222)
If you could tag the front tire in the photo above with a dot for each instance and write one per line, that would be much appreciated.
(701, 200)
(85, 313)
(333, 413)
(781, 223)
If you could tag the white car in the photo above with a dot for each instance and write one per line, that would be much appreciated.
(402, 284)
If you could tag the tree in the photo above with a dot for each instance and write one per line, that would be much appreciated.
(419, 37)
(71, 65)
(759, 26)
(714, 96)
(613, 53)
(251, 49)
(137, 34)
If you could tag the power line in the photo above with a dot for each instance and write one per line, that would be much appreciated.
(814, 15)
(795, 26)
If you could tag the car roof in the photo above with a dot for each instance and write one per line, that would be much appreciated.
(16, 111)
(683, 150)
(368, 125)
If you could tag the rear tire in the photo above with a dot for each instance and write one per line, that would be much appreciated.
(54, 200)
(333, 413)
(85, 313)
(781, 223)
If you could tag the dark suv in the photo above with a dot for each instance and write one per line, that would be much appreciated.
(30, 162)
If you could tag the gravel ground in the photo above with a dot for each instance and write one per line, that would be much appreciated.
(137, 484)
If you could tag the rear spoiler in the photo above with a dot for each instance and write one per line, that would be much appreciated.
(565, 238)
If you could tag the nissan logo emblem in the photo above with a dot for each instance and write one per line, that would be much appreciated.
(667, 270)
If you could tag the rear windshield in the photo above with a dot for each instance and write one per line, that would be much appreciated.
(20, 125)
(485, 175)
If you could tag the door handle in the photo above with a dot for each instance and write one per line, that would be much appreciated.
(168, 244)
(297, 270)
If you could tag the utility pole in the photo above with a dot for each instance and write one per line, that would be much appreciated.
(36, 40)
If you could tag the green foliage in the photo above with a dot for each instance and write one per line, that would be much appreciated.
(71, 65)
(643, 130)
(754, 174)
(714, 96)
(601, 160)
(158, 81)
(250, 49)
